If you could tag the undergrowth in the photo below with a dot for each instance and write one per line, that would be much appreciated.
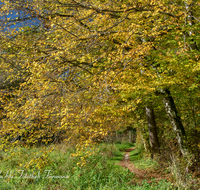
(141, 160)
(62, 172)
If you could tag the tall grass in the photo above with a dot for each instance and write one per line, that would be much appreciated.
(62, 172)
(183, 180)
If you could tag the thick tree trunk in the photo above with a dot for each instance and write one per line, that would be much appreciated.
(174, 118)
(153, 138)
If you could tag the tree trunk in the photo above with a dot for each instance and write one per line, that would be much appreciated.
(175, 120)
(190, 22)
(130, 136)
(153, 138)
(140, 138)
(144, 143)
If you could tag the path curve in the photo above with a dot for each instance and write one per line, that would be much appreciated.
(140, 174)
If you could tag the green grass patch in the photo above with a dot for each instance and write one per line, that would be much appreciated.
(124, 146)
(161, 185)
(62, 171)
(114, 152)
(141, 161)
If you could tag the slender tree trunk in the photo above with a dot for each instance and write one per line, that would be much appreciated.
(140, 137)
(175, 120)
(153, 138)
(190, 21)
(144, 143)
(130, 136)
(117, 136)
(193, 113)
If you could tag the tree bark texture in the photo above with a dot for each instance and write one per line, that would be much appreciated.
(174, 118)
(153, 138)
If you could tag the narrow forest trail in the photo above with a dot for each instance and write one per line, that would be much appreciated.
(142, 174)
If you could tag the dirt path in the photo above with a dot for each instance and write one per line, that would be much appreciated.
(140, 174)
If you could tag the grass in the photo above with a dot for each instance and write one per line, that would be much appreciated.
(124, 146)
(100, 172)
(141, 161)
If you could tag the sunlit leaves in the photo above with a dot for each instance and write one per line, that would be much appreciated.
(88, 64)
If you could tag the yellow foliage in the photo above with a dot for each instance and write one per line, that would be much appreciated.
(77, 75)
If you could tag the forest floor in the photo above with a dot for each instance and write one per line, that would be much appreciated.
(149, 174)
